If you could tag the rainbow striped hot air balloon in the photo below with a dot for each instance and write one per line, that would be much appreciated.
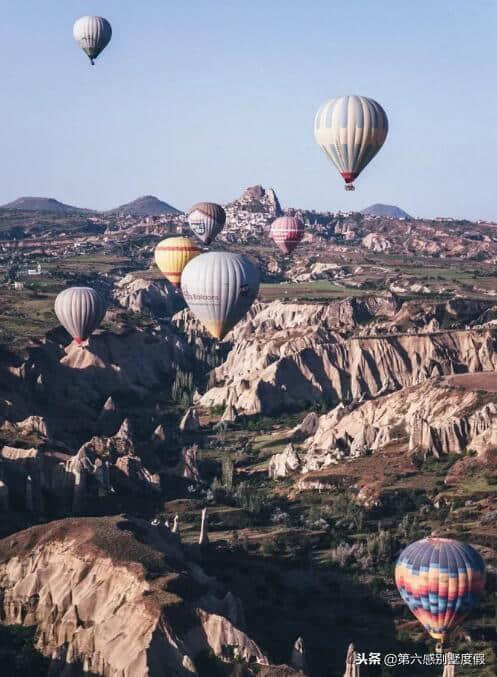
(440, 580)
(287, 232)
(350, 130)
(172, 255)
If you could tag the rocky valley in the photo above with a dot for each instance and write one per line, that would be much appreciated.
(174, 505)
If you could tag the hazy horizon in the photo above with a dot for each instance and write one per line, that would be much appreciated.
(197, 103)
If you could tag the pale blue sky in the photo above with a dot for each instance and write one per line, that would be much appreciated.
(197, 100)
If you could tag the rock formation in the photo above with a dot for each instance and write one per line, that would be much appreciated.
(376, 242)
(109, 418)
(187, 466)
(351, 668)
(257, 198)
(284, 463)
(63, 407)
(190, 421)
(307, 428)
(298, 660)
(86, 585)
(158, 297)
(4, 496)
(204, 529)
(303, 363)
(439, 416)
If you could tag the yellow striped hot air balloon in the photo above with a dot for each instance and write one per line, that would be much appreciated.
(172, 255)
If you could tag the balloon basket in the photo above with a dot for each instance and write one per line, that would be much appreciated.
(349, 186)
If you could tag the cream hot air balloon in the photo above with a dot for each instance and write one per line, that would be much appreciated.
(172, 255)
(219, 288)
(350, 130)
(80, 310)
(287, 232)
(93, 34)
(206, 220)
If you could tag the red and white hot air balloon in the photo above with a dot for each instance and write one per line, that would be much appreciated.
(287, 232)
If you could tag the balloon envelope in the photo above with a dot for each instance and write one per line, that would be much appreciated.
(440, 580)
(351, 130)
(80, 310)
(206, 220)
(172, 255)
(287, 232)
(93, 34)
(219, 288)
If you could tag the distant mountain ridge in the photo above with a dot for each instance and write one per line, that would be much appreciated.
(43, 204)
(147, 205)
(387, 211)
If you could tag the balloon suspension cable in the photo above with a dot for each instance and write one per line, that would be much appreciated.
(349, 186)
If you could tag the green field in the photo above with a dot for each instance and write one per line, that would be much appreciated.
(321, 290)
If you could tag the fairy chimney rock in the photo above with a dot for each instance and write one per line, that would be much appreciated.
(204, 535)
(190, 421)
(298, 660)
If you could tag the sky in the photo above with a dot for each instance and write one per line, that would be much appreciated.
(197, 100)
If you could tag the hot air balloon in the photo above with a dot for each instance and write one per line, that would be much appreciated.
(219, 288)
(206, 219)
(93, 34)
(351, 130)
(440, 580)
(287, 232)
(80, 311)
(172, 255)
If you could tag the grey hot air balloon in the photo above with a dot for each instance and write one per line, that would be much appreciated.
(351, 130)
(93, 34)
(80, 311)
(206, 219)
(219, 288)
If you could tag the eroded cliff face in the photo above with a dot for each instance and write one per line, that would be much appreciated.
(304, 365)
(440, 416)
(117, 597)
(62, 384)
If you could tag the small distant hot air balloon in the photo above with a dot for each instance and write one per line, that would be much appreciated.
(93, 34)
(219, 288)
(440, 580)
(350, 130)
(172, 255)
(206, 219)
(80, 310)
(287, 232)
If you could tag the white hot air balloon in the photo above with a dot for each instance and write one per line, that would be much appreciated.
(80, 310)
(350, 130)
(219, 288)
(93, 34)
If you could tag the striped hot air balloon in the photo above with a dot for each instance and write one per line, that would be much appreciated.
(93, 34)
(287, 232)
(219, 288)
(206, 219)
(172, 255)
(350, 130)
(440, 580)
(80, 310)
